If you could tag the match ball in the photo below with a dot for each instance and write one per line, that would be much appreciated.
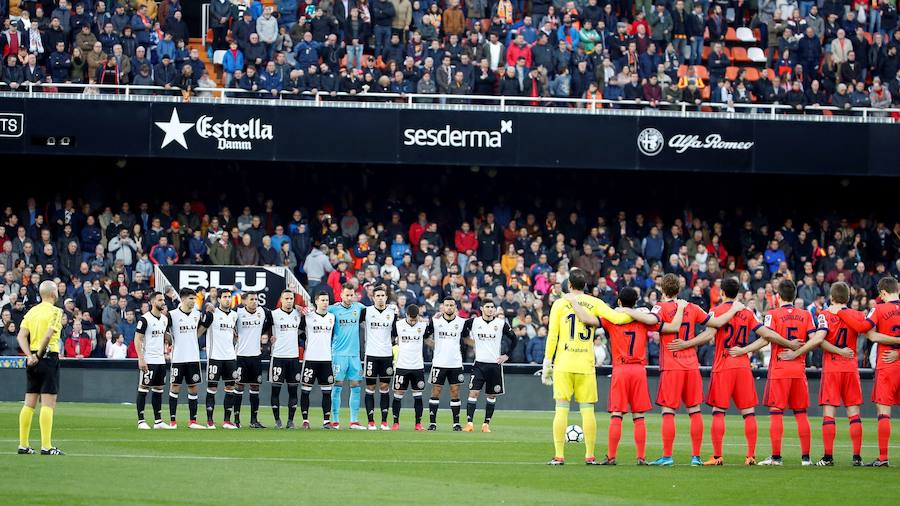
(574, 434)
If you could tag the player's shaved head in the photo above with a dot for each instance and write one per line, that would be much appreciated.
(577, 279)
(731, 287)
(628, 297)
(840, 293)
(48, 291)
(670, 285)
(787, 290)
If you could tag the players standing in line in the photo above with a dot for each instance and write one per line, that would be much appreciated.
(378, 323)
(150, 340)
(285, 363)
(786, 386)
(220, 341)
(732, 377)
(882, 326)
(679, 377)
(410, 335)
(252, 321)
(445, 331)
(345, 355)
(316, 331)
(486, 334)
(840, 374)
(570, 365)
(186, 324)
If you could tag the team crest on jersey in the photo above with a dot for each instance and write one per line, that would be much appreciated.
(196, 378)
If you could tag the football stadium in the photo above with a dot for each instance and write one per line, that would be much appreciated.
(395, 251)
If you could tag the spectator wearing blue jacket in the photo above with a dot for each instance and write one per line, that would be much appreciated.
(163, 253)
(648, 62)
(567, 32)
(287, 10)
(197, 249)
(307, 52)
(774, 256)
(534, 350)
(652, 245)
(90, 237)
(270, 81)
(141, 25)
(233, 60)
(399, 248)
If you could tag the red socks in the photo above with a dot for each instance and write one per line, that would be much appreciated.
(718, 432)
(697, 433)
(776, 431)
(803, 431)
(856, 434)
(884, 435)
(615, 434)
(828, 433)
(640, 437)
(750, 433)
(668, 433)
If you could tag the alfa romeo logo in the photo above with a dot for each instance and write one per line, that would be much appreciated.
(650, 141)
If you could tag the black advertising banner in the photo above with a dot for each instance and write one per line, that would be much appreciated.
(695, 144)
(346, 133)
(268, 283)
(215, 131)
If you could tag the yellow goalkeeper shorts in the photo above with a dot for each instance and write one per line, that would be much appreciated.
(568, 384)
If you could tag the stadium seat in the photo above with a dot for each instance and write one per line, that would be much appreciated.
(756, 55)
(731, 73)
(218, 56)
(682, 70)
(745, 34)
(739, 55)
(868, 38)
(752, 73)
(731, 35)
(706, 51)
(770, 73)
(727, 51)
(702, 73)
(705, 93)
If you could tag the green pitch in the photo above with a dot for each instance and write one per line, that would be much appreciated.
(108, 461)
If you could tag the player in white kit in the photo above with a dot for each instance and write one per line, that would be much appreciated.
(150, 341)
(252, 322)
(186, 324)
(317, 330)
(409, 334)
(378, 324)
(486, 334)
(220, 341)
(445, 330)
(285, 363)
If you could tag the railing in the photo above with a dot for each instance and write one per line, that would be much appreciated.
(204, 22)
(459, 102)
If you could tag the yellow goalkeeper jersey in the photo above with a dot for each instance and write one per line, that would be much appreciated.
(570, 343)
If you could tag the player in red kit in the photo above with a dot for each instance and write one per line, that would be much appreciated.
(628, 390)
(882, 326)
(840, 374)
(786, 386)
(679, 378)
(732, 378)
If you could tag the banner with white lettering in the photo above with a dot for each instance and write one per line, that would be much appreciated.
(267, 282)
(713, 144)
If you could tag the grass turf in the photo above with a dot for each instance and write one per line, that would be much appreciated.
(108, 461)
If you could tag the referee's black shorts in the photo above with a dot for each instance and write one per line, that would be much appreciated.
(43, 377)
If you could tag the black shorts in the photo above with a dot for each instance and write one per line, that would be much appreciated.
(284, 370)
(249, 370)
(451, 375)
(186, 372)
(410, 379)
(379, 367)
(43, 377)
(154, 377)
(221, 370)
(487, 378)
(318, 371)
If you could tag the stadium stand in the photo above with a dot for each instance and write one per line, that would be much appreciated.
(513, 49)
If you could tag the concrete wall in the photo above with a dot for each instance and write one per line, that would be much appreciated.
(115, 381)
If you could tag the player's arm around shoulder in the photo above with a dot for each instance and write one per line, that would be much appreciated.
(587, 317)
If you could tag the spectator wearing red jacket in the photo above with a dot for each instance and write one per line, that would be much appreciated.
(416, 230)
(518, 49)
(78, 344)
(466, 242)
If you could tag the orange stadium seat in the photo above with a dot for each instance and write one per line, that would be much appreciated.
(739, 55)
(752, 73)
(731, 35)
(731, 73)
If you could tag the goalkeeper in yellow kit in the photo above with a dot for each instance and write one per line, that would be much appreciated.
(569, 363)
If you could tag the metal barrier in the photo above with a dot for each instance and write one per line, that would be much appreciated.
(547, 105)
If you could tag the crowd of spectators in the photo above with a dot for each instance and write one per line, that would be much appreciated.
(840, 53)
(103, 259)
